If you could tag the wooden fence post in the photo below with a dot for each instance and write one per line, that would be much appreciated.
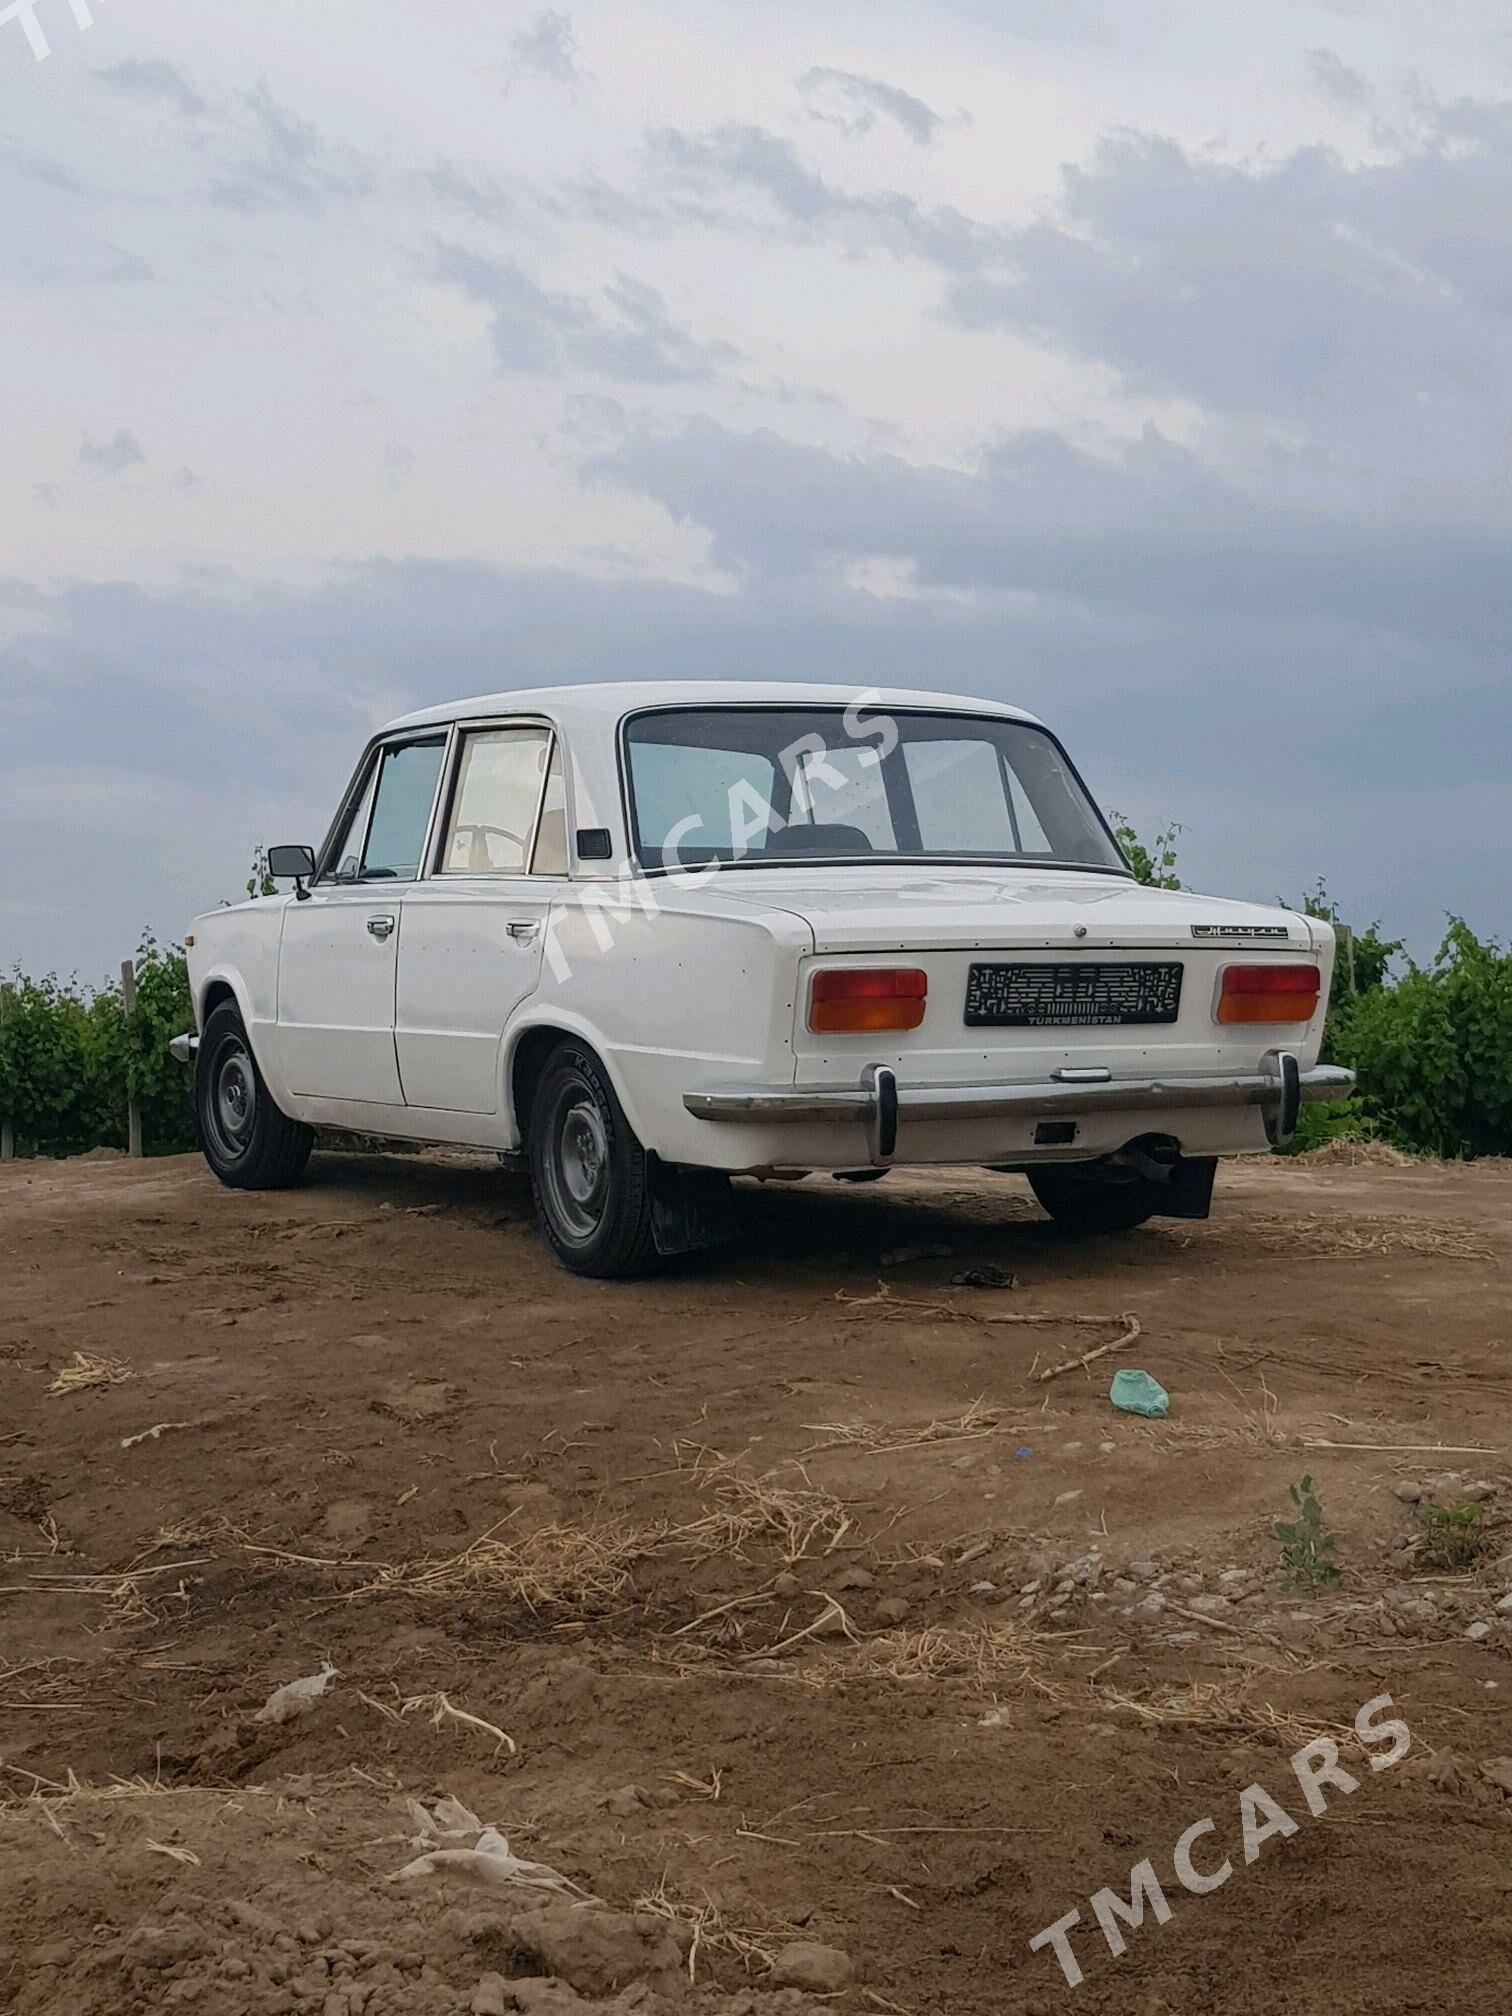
(133, 1110)
(7, 1122)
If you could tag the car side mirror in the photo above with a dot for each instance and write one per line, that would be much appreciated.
(295, 862)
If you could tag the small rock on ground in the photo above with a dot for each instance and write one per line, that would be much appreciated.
(821, 1970)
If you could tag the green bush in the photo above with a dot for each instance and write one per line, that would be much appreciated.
(1432, 1049)
(69, 1055)
(1434, 1052)
(1154, 865)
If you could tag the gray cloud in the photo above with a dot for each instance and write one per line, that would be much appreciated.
(855, 103)
(107, 267)
(121, 452)
(290, 166)
(398, 464)
(751, 163)
(1290, 738)
(152, 82)
(29, 164)
(1337, 80)
(1370, 303)
(1139, 534)
(554, 334)
(478, 195)
(546, 48)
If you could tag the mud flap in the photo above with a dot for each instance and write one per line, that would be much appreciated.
(691, 1209)
(1187, 1191)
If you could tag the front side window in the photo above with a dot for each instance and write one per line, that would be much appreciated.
(346, 859)
(386, 831)
(772, 785)
(501, 776)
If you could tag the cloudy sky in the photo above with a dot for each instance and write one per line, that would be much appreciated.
(1144, 362)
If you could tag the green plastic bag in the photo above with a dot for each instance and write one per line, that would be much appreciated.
(1138, 1393)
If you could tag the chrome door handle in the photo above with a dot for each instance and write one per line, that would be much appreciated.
(524, 929)
(381, 927)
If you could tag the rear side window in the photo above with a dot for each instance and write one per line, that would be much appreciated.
(501, 778)
(551, 840)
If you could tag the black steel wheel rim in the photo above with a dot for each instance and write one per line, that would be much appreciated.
(229, 1108)
(575, 1165)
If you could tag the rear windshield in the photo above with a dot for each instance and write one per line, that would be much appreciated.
(771, 786)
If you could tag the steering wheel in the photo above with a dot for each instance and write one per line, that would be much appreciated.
(478, 862)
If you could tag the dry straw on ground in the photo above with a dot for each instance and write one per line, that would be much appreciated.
(885, 1303)
(551, 1567)
(1000, 1655)
(86, 1370)
(1222, 1708)
(704, 1928)
(1364, 1238)
(886, 1438)
(441, 1712)
(1345, 1153)
(802, 1521)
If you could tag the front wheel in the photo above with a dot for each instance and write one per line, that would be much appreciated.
(248, 1142)
(592, 1177)
(1084, 1197)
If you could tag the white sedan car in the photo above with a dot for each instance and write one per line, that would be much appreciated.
(658, 935)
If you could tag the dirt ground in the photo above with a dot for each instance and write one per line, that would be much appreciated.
(770, 1615)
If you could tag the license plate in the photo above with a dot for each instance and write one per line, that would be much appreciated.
(1072, 996)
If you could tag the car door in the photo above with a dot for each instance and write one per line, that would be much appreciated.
(474, 928)
(338, 960)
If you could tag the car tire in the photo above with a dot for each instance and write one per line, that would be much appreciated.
(247, 1140)
(1085, 1198)
(591, 1176)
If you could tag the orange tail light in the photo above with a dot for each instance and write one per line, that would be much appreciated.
(869, 997)
(1268, 994)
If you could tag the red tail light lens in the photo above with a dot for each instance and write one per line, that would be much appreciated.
(867, 997)
(1268, 994)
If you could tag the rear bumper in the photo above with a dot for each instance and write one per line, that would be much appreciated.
(1280, 1088)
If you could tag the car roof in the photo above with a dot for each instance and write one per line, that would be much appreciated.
(616, 698)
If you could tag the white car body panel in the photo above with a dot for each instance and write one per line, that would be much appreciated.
(334, 1037)
(687, 987)
(470, 958)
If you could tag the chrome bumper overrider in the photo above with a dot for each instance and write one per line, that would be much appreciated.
(881, 1103)
(183, 1048)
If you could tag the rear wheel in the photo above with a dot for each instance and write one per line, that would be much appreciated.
(248, 1142)
(591, 1175)
(1087, 1197)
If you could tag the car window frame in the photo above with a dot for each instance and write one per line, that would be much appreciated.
(484, 724)
(453, 784)
(372, 756)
